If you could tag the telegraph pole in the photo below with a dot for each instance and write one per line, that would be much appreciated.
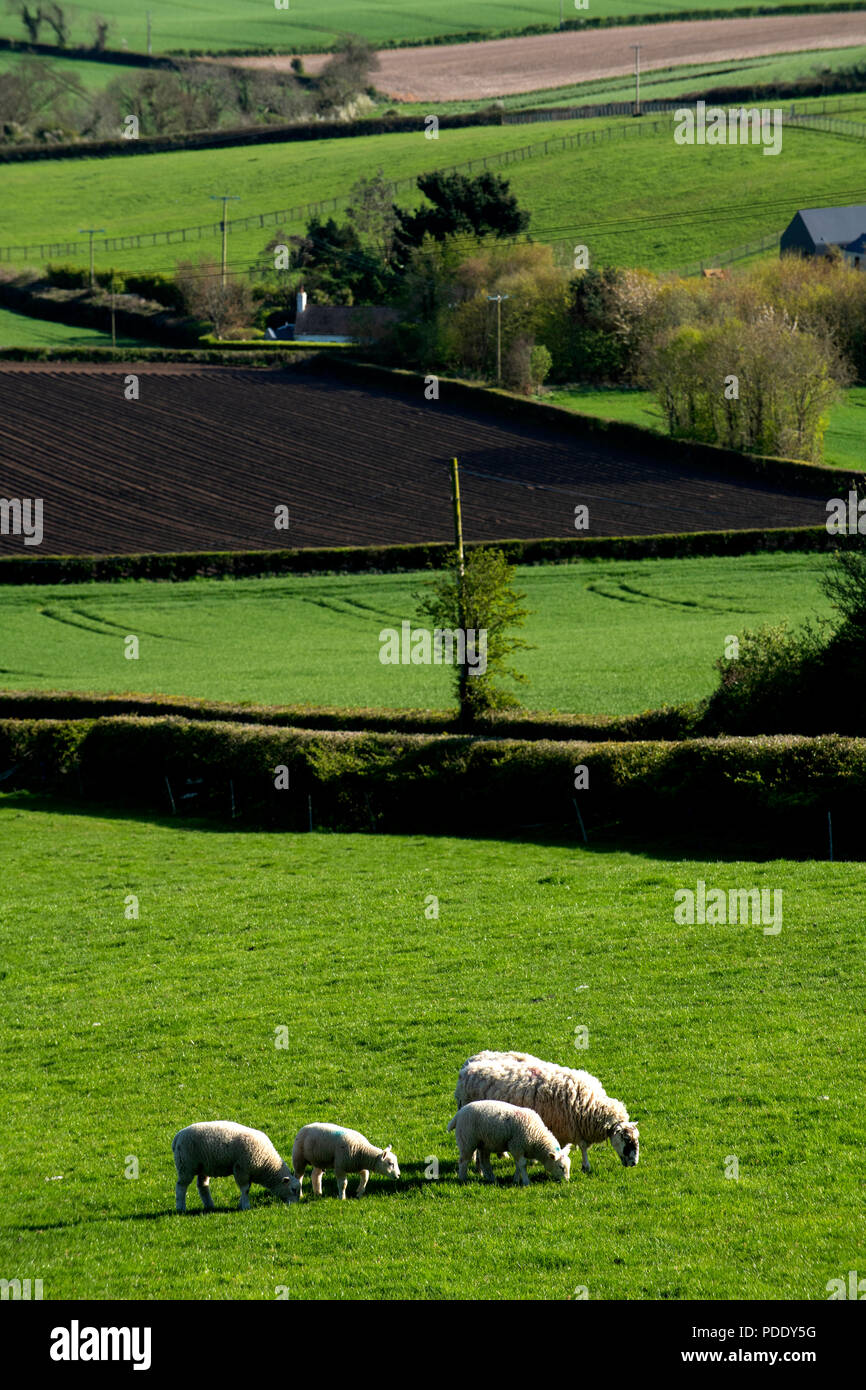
(91, 232)
(458, 523)
(636, 47)
(224, 198)
(497, 299)
(149, 44)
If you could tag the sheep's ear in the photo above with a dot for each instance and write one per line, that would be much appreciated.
(386, 1150)
(566, 1150)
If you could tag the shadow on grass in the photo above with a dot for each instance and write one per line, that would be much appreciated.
(685, 846)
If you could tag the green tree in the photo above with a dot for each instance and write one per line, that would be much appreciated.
(481, 598)
(461, 206)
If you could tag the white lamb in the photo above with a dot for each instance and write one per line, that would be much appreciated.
(322, 1146)
(495, 1127)
(573, 1104)
(222, 1149)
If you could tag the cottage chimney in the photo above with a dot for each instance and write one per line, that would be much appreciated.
(302, 300)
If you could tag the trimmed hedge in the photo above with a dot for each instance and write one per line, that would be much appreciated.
(772, 791)
(673, 722)
(242, 136)
(389, 559)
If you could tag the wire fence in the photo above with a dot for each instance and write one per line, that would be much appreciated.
(305, 212)
(736, 253)
(651, 107)
(830, 126)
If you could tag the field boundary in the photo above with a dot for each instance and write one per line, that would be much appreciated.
(391, 559)
(304, 211)
(777, 788)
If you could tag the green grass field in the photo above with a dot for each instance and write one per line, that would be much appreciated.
(19, 330)
(632, 201)
(609, 637)
(724, 1042)
(305, 25)
(844, 442)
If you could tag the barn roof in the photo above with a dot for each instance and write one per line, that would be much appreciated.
(834, 226)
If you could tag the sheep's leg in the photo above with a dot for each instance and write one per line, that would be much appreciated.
(584, 1149)
(299, 1174)
(203, 1184)
(520, 1176)
(486, 1165)
(242, 1178)
(180, 1194)
(362, 1185)
(341, 1185)
(462, 1167)
(477, 1160)
(317, 1181)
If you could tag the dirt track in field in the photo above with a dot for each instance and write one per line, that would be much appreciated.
(503, 67)
(201, 460)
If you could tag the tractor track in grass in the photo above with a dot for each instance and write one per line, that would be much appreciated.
(201, 460)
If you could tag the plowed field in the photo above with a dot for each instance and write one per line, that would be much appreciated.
(504, 66)
(205, 455)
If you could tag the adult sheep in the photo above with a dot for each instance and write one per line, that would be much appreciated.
(574, 1105)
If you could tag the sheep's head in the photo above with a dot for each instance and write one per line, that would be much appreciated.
(386, 1163)
(558, 1165)
(288, 1187)
(626, 1141)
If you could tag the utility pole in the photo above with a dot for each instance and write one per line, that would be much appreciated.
(497, 299)
(113, 328)
(458, 524)
(560, 14)
(224, 198)
(463, 680)
(91, 232)
(636, 47)
(149, 44)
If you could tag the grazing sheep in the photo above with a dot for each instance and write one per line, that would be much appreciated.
(222, 1149)
(573, 1104)
(324, 1146)
(494, 1127)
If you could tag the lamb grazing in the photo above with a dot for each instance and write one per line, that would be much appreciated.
(322, 1146)
(573, 1104)
(494, 1127)
(221, 1149)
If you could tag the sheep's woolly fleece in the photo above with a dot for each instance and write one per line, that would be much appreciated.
(573, 1104)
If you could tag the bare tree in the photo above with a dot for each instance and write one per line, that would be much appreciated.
(227, 306)
(31, 19)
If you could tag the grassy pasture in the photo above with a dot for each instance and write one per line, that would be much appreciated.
(306, 25)
(609, 637)
(20, 330)
(844, 442)
(723, 1042)
(632, 201)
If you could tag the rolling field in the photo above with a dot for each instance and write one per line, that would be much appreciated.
(19, 330)
(667, 83)
(724, 1042)
(609, 637)
(202, 459)
(307, 25)
(636, 200)
(844, 443)
(550, 60)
